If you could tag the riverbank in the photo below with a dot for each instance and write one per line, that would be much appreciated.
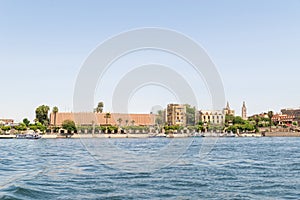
(146, 135)
(282, 134)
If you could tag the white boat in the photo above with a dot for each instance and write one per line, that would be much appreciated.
(196, 134)
(7, 136)
(250, 135)
(212, 134)
(28, 136)
(228, 135)
(157, 135)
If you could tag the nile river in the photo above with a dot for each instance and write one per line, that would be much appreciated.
(235, 168)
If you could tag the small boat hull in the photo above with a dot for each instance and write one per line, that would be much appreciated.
(28, 136)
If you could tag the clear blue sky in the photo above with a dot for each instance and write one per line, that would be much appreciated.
(254, 44)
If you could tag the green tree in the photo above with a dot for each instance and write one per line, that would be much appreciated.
(112, 129)
(26, 122)
(120, 121)
(41, 114)
(232, 128)
(238, 120)
(21, 127)
(172, 128)
(295, 123)
(33, 127)
(126, 122)
(107, 116)
(248, 127)
(190, 114)
(200, 127)
(99, 108)
(159, 120)
(69, 125)
(55, 111)
(40, 126)
(5, 128)
(229, 120)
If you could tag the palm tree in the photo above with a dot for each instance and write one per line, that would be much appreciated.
(120, 121)
(55, 111)
(270, 115)
(132, 122)
(99, 108)
(126, 121)
(107, 116)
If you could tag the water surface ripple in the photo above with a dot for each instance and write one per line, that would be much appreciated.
(236, 168)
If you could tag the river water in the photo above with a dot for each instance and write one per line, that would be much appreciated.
(235, 168)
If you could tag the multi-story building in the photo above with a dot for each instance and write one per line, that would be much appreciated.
(283, 119)
(292, 112)
(216, 117)
(176, 114)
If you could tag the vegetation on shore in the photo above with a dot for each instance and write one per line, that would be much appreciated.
(232, 123)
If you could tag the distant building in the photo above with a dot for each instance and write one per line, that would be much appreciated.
(244, 111)
(262, 115)
(228, 111)
(121, 119)
(216, 117)
(6, 121)
(283, 119)
(293, 112)
(176, 114)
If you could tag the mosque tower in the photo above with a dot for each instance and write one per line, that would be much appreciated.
(244, 111)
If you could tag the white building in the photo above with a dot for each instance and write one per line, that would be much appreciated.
(214, 117)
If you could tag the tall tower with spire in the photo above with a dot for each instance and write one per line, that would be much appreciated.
(228, 111)
(244, 111)
(227, 106)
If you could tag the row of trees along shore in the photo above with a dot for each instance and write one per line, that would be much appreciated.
(42, 122)
(232, 123)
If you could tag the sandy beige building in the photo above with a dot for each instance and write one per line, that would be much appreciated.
(100, 119)
(176, 114)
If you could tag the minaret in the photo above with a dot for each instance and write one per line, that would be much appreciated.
(227, 106)
(227, 110)
(244, 111)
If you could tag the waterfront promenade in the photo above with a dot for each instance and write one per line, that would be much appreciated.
(146, 135)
